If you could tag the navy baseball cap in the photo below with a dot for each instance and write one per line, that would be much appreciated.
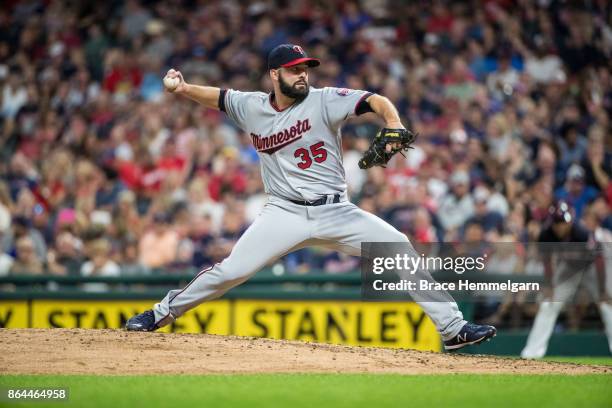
(560, 213)
(288, 55)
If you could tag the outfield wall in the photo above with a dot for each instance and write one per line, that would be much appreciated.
(313, 307)
(400, 325)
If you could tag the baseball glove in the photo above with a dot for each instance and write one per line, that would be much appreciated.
(385, 145)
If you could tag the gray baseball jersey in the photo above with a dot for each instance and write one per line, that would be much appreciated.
(301, 159)
(300, 147)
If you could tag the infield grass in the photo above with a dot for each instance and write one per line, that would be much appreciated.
(323, 390)
(582, 360)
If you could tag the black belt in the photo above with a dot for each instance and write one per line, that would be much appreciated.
(320, 201)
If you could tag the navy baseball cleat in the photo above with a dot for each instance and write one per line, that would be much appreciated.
(142, 322)
(470, 334)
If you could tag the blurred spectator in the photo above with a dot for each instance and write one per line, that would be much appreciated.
(488, 219)
(130, 264)
(601, 213)
(6, 207)
(202, 237)
(184, 257)
(6, 262)
(498, 137)
(457, 206)
(65, 258)
(424, 231)
(14, 95)
(575, 192)
(135, 18)
(512, 105)
(598, 160)
(26, 261)
(158, 245)
(152, 87)
(352, 19)
(99, 264)
(505, 79)
(127, 224)
(201, 205)
(507, 259)
(22, 227)
(542, 64)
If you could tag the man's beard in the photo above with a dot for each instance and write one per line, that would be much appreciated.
(292, 91)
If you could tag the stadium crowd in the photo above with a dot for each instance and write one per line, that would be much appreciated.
(102, 172)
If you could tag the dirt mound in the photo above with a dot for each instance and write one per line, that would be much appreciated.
(80, 351)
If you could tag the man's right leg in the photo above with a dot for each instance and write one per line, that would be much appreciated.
(346, 226)
(276, 231)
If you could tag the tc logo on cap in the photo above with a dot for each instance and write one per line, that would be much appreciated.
(288, 55)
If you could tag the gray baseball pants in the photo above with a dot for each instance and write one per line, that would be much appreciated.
(283, 227)
(565, 283)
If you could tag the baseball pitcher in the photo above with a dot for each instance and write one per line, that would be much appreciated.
(296, 132)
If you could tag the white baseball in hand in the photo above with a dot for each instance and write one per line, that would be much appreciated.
(171, 83)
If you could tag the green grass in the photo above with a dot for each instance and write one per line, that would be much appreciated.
(582, 360)
(325, 390)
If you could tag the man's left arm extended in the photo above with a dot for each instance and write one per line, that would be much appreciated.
(392, 139)
(384, 108)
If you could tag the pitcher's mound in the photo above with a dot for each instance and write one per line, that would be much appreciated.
(81, 351)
